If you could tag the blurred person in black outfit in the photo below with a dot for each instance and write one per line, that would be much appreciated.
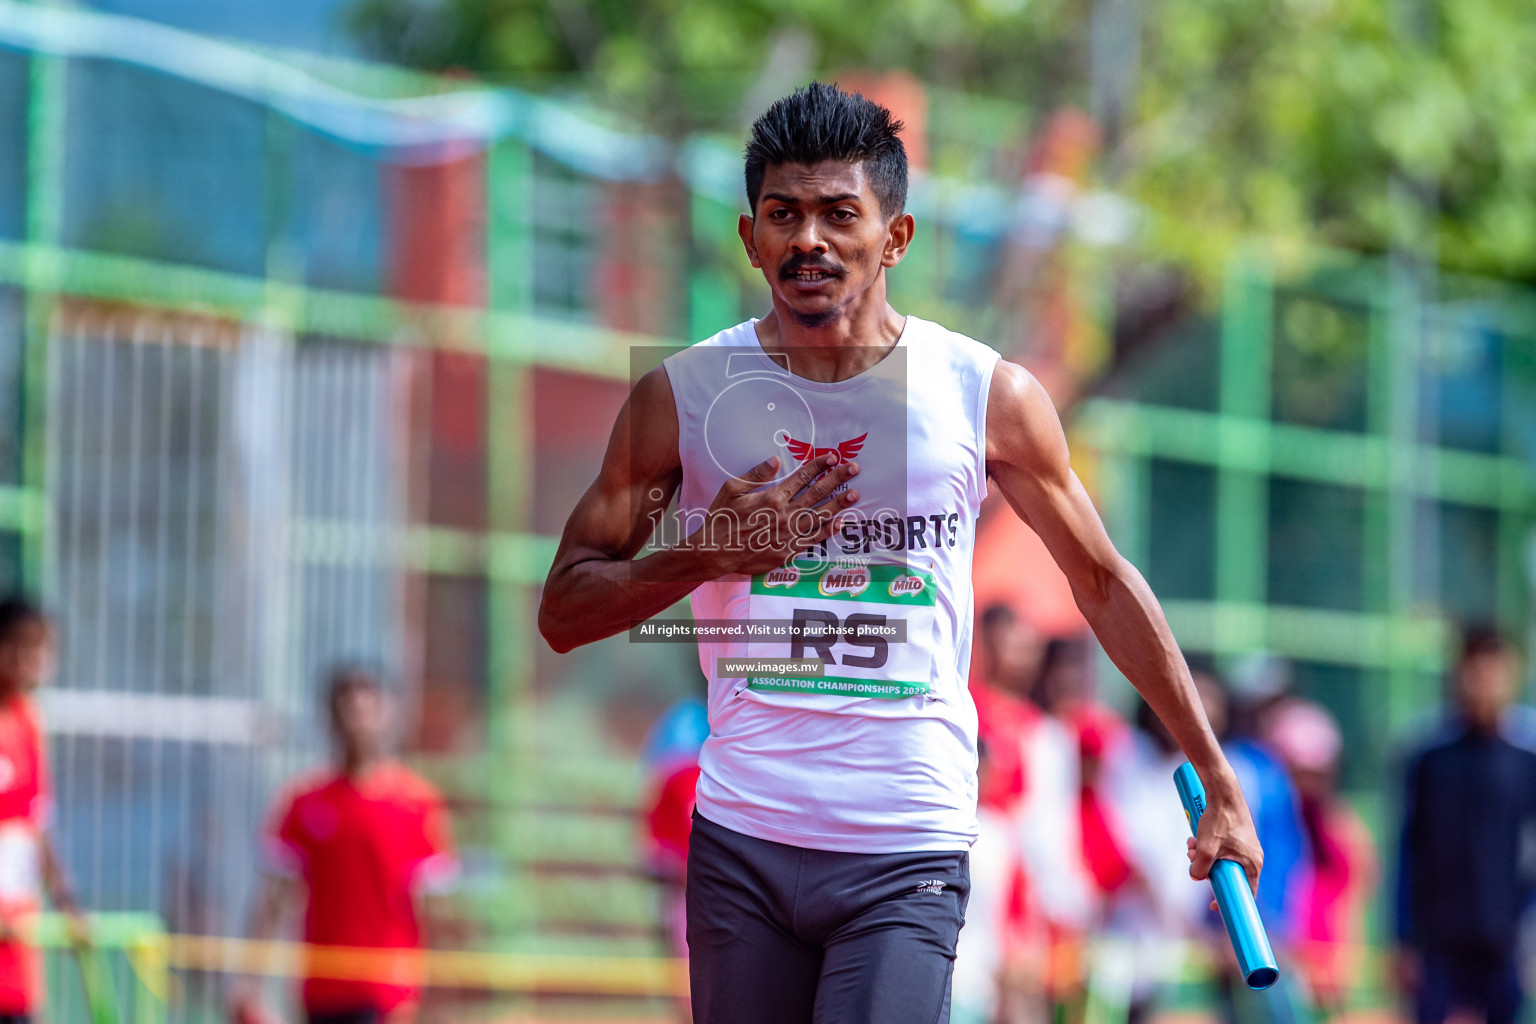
(1467, 868)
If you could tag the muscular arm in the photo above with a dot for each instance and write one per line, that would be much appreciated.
(1027, 457)
(597, 588)
(594, 590)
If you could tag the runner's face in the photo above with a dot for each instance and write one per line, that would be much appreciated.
(820, 237)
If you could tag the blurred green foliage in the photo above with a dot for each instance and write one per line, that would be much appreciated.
(1359, 123)
(1366, 124)
(691, 64)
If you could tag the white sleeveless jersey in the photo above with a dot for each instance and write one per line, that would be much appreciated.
(877, 754)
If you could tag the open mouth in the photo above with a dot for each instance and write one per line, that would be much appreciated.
(809, 274)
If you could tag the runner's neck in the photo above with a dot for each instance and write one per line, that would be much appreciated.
(835, 353)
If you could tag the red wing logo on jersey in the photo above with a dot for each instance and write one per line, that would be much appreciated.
(845, 452)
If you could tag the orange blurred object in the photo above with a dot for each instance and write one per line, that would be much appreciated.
(1013, 567)
(905, 96)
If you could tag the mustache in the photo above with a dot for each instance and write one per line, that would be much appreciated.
(799, 263)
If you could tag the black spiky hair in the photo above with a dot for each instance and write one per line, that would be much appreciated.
(822, 122)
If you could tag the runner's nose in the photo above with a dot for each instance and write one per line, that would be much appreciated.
(808, 239)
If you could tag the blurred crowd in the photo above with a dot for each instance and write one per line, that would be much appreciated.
(1082, 908)
(1083, 837)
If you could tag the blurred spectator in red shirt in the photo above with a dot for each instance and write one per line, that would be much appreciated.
(1104, 846)
(358, 845)
(28, 862)
(1077, 845)
(1046, 939)
(997, 916)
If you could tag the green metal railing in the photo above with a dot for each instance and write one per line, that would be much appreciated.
(1394, 639)
(124, 969)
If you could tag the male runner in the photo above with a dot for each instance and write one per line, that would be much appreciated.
(827, 873)
(358, 846)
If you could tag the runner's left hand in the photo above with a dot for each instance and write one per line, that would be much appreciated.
(1226, 833)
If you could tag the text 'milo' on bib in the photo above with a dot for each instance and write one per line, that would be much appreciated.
(868, 623)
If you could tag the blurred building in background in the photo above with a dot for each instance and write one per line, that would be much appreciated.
(307, 360)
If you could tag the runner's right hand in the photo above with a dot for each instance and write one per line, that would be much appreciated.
(750, 531)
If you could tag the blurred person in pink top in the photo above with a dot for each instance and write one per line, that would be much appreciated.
(1344, 870)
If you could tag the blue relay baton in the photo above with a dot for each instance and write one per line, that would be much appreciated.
(1234, 898)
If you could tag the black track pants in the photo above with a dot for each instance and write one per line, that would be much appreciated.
(783, 935)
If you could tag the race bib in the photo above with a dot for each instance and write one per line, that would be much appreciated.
(869, 624)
